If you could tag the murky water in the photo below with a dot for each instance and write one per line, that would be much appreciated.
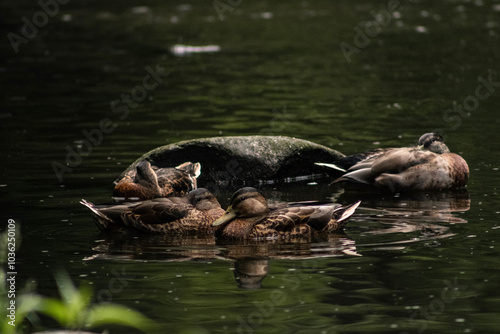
(130, 77)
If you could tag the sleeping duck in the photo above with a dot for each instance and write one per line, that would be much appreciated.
(250, 217)
(429, 166)
(147, 182)
(193, 213)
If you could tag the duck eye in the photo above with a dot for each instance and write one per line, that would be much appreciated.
(243, 198)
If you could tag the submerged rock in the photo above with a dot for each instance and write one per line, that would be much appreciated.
(246, 160)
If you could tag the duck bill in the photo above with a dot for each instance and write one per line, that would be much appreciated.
(226, 217)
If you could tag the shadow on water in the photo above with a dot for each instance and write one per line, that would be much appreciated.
(384, 222)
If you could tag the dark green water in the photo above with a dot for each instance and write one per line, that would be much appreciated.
(405, 265)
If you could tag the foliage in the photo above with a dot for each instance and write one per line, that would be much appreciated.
(73, 310)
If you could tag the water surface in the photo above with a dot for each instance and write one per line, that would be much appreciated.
(405, 264)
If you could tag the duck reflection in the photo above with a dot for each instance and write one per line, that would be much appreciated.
(385, 221)
(153, 247)
(249, 259)
(250, 272)
(431, 207)
(425, 216)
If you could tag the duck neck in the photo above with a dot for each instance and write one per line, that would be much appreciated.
(151, 184)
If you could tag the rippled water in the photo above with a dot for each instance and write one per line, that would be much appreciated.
(416, 264)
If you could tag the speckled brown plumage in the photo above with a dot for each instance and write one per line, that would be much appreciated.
(430, 166)
(193, 213)
(147, 182)
(250, 217)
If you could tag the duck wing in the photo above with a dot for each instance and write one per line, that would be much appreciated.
(158, 211)
(331, 217)
(140, 214)
(398, 160)
(345, 163)
(193, 169)
(285, 219)
(175, 182)
(315, 214)
(393, 161)
(298, 221)
(179, 180)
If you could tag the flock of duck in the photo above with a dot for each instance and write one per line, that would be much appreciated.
(167, 200)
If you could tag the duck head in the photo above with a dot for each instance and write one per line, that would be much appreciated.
(202, 199)
(433, 142)
(248, 207)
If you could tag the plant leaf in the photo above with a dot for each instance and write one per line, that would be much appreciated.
(55, 309)
(118, 315)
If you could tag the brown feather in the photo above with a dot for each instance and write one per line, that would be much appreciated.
(147, 182)
(427, 167)
(254, 220)
(193, 213)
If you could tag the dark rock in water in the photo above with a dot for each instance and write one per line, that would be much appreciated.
(246, 160)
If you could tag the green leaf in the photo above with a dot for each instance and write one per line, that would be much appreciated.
(118, 315)
(66, 288)
(55, 309)
(28, 303)
(74, 303)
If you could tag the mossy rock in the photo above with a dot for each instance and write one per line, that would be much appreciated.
(246, 160)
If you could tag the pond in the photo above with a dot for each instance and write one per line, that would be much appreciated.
(129, 77)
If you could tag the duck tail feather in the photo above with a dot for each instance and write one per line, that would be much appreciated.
(347, 211)
(363, 176)
(321, 216)
(100, 219)
(332, 166)
(193, 169)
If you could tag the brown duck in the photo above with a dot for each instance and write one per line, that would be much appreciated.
(147, 182)
(250, 217)
(429, 166)
(192, 213)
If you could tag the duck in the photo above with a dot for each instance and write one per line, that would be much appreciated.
(429, 166)
(147, 182)
(193, 213)
(250, 217)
